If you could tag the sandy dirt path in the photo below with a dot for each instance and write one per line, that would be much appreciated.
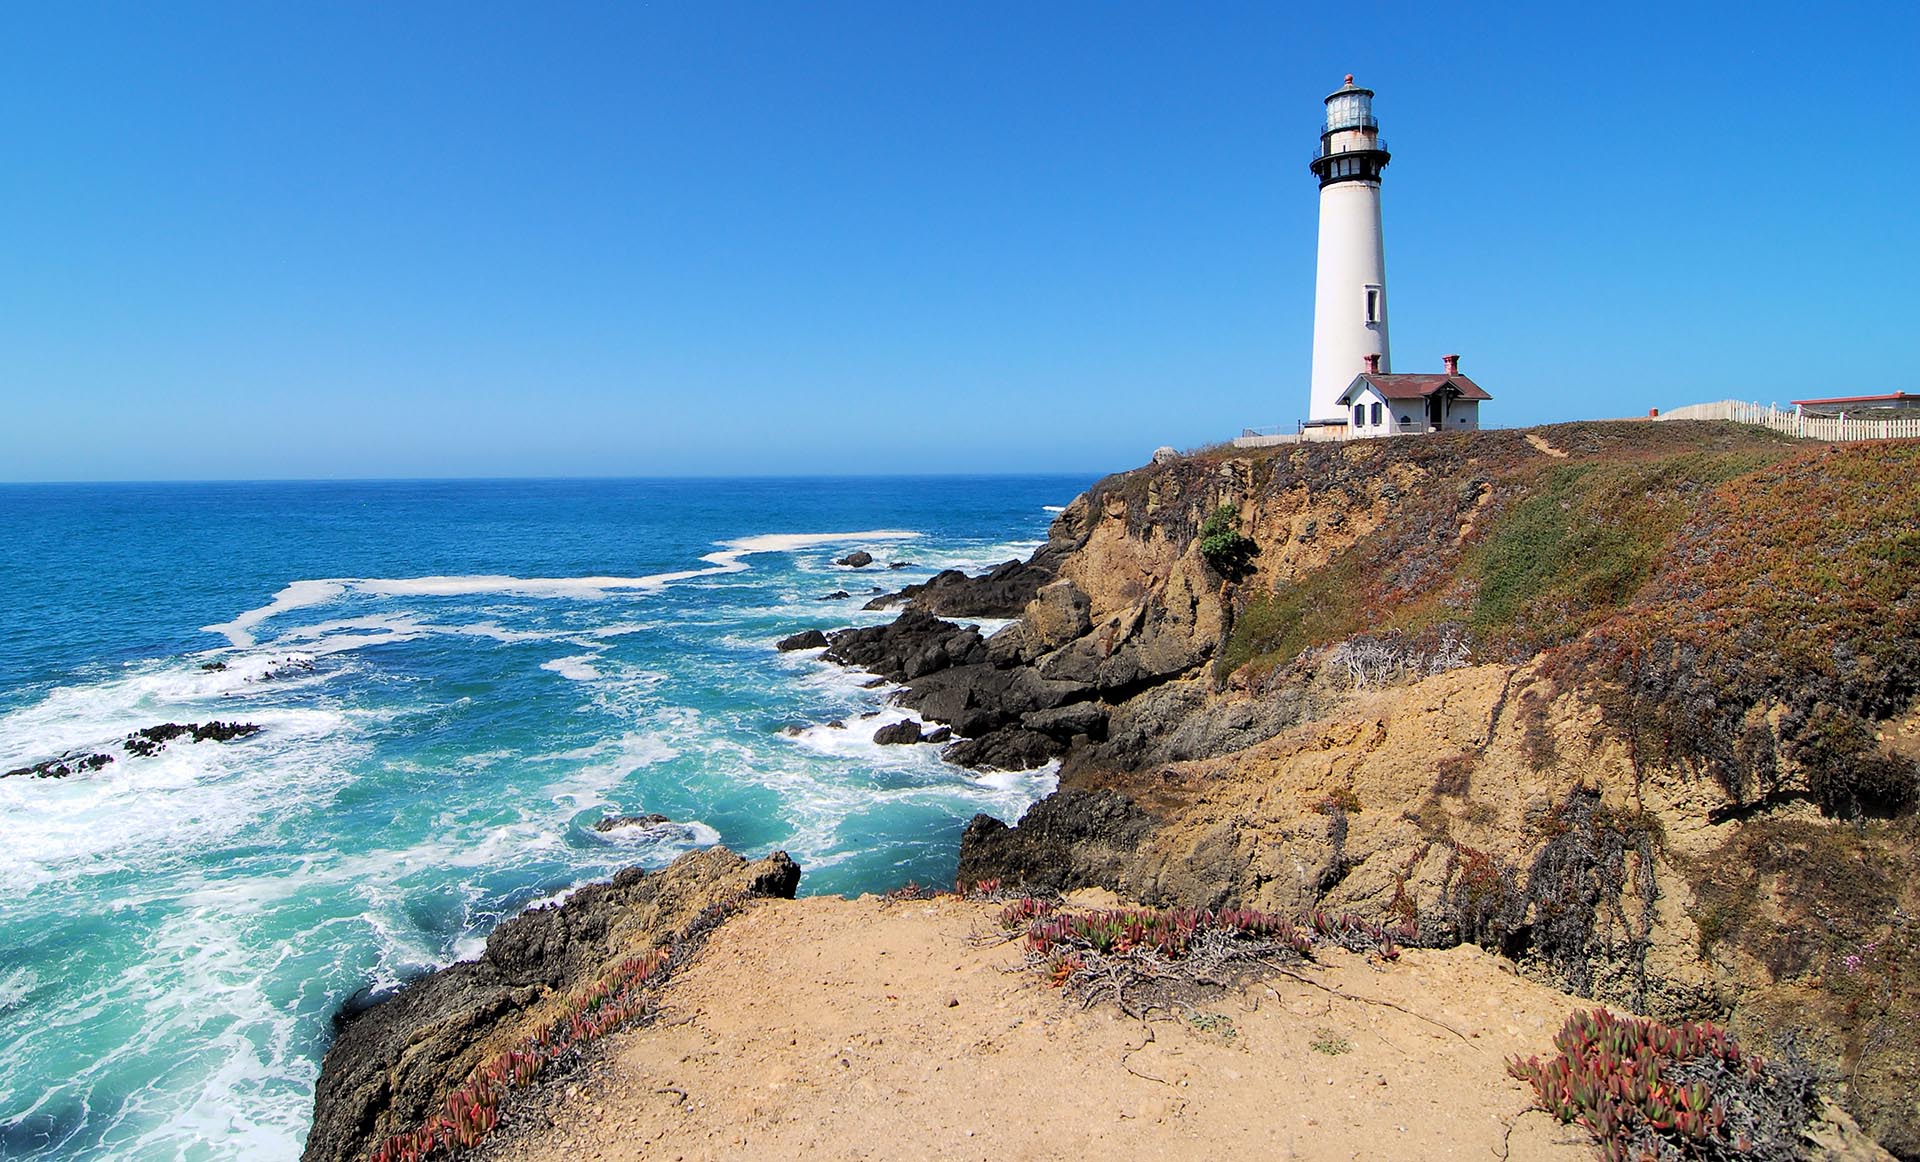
(829, 1028)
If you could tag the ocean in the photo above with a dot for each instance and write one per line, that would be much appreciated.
(454, 681)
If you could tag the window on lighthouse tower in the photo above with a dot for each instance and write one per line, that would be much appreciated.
(1373, 304)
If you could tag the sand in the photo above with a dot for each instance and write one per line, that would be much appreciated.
(830, 1028)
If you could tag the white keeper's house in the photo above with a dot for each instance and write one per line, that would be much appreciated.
(1382, 404)
(1354, 392)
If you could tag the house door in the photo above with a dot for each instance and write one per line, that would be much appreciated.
(1436, 411)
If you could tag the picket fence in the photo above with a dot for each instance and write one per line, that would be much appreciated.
(1796, 423)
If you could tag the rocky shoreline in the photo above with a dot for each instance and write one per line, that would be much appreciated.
(396, 1059)
(1499, 767)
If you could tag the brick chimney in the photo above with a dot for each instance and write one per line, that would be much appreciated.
(1452, 362)
(1373, 364)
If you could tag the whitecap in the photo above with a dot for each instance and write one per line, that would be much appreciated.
(16, 986)
(578, 668)
(729, 559)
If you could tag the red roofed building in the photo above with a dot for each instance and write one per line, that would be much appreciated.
(1382, 404)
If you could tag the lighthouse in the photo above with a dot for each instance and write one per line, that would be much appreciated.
(1350, 286)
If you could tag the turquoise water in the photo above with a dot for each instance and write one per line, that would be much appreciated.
(455, 680)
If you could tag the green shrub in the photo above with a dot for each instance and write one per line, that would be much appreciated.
(1224, 547)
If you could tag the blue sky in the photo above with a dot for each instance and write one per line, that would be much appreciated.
(266, 240)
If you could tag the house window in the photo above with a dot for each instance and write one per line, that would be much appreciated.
(1373, 304)
(1359, 415)
(1376, 413)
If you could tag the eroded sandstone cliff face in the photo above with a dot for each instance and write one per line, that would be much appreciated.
(1632, 704)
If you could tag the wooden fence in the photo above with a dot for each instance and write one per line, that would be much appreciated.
(1797, 423)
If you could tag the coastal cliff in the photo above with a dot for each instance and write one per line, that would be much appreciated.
(1630, 704)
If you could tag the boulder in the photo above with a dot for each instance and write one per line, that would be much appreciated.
(1012, 749)
(910, 646)
(1165, 454)
(1064, 723)
(858, 559)
(614, 822)
(1070, 839)
(836, 595)
(1059, 613)
(1002, 592)
(898, 734)
(810, 639)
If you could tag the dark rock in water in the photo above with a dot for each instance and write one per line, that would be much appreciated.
(614, 822)
(858, 559)
(1070, 839)
(213, 667)
(938, 734)
(1004, 750)
(61, 767)
(836, 595)
(902, 564)
(911, 645)
(899, 734)
(1003, 592)
(804, 640)
(278, 670)
(396, 1061)
(150, 741)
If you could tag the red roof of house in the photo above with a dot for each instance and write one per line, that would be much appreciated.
(1414, 386)
(1891, 397)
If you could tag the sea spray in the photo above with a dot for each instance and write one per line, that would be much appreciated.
(453, 681)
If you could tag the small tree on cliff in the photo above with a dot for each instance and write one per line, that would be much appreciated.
(1223, 547)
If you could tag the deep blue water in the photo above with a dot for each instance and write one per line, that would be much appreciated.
(455, 680)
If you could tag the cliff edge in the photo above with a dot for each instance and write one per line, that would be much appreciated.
(1630, 704)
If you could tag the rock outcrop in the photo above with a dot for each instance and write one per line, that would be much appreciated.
(810, 639)
(151, 740)
(61, 767)
(898, 734)
(396, 1060)
(615, 822)
(1001, 592)
(1637, 712)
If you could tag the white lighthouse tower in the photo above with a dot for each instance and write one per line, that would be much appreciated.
(1350, 289)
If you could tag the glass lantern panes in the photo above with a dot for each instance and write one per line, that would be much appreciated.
(1347, 111)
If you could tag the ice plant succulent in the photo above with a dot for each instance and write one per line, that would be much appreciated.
(1647, 1090)
(472, 1110)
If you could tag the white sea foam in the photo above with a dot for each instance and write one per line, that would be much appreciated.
(189, 796)
(729, 559)
(16, 986)
(675, 836)
(605, 765)
(1054, 507)
(297, 595)
(578, 668)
